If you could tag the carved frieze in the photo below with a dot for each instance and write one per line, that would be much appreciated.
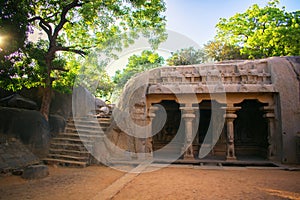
(247, 76)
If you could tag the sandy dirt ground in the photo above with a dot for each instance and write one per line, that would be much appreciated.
(176, 182)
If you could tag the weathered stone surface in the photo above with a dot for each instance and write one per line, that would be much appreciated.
(61, 105)
(57, 124)
(17, 101)
(35, 172)
(27, 125)
(14, 155)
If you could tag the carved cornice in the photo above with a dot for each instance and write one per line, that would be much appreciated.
(248, 76)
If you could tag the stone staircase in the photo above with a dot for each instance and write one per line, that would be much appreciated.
(73, 146)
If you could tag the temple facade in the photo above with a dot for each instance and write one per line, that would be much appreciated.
(232, 110)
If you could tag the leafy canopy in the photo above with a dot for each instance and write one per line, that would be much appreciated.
(220, 51)
(71, 26)
(262, 32)
(187, 56)
(136, 64)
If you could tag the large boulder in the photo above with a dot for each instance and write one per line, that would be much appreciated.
(61, 105)
(14, 155)
(57, 124)
(18, 101)
(35, 172)
(27, 125)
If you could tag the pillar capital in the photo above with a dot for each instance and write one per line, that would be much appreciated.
(151, 113)
(269, 112)
(231, 109)
(230, 116)
(188, 112)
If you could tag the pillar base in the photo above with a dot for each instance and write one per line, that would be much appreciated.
(231, 158)
(188, 157)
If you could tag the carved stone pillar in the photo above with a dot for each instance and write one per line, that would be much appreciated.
(270, 116)
(148, 140)
(188, 116)
(230, 117)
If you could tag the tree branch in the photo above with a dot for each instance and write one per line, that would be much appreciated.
(63, 19)
(60, 69)
(43, 24)
(71, 49)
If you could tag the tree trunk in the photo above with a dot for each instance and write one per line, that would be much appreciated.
(47, 93)
(46, 101)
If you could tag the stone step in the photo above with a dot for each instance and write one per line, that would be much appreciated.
(65, 162)
(88, 126)
(75, 140)
(70, 146)
(68, 157)
(66, 151)
(90, 120)
(80, 135)
(85, 131)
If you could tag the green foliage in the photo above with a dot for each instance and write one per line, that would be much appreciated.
(136, 64)
(13, 32)
(24, 67)
(187, 56)
(262, 32)
(219, 51)
(13, 24)
(93, 76)
(75, 26)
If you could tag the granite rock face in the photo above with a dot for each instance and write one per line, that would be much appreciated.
(14, 155)
(27, 125)
(18, 101)
(35, 172)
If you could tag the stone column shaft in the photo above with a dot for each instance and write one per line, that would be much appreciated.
(149, 140)
(270, 116)
(188, 116)
(230, 116)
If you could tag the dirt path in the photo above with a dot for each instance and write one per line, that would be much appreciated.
(61, 184)
(166, 183)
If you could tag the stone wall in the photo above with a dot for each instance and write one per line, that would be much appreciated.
(285, 75)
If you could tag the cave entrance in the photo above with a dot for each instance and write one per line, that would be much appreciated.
(210, 132)
(168, 142)
(251, 131)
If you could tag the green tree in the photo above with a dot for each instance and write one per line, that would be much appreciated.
(262, 32)
(13, 24)
(94, 77)
(79, 26)
(13, 33)
(219, 51)
(187, 56)
(136, 64)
